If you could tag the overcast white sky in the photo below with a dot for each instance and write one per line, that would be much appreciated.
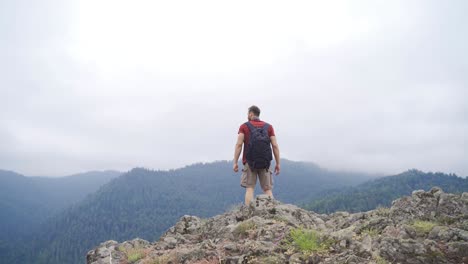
(377, 86)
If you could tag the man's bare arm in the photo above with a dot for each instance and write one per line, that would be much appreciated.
(276, 153)
(237, 150)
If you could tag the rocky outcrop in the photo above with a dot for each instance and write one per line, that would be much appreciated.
(426, 227)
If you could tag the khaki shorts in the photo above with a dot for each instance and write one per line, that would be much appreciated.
(249, 177)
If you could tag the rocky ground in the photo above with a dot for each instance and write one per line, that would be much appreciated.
(426, 227)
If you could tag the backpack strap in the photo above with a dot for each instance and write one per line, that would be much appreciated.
(265, 127)
(250, 126)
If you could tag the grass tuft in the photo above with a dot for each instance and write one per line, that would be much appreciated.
(379, 260)
(135, 254)
(423, 227)
(306, 241)
(370, 231)
(243, 228)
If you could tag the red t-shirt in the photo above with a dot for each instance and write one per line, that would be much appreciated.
(245, 129)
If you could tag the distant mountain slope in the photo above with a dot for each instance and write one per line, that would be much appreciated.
(64, 191)
(21, 204)
(144, 203)
(382, 191)
(27, 202)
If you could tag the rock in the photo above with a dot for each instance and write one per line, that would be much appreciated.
(170, 241)
(230, 247)
(343, 243)
(432, 205)
(101, 254)
(314, 259)
(261, 233)
(396, 232)
(346, 234)
(367, 243)
(296, 259)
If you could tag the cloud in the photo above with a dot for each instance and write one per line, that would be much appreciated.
(374, 86)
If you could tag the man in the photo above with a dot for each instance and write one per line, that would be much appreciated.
(257, 135)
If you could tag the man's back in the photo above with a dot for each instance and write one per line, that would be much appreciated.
(246, 131)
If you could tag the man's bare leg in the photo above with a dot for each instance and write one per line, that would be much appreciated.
(249, 191)
(269, 193)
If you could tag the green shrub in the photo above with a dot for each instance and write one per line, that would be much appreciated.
(379, 260)
(133, 254)
(133, 257)
(370, 231)
(243, 228)
(306, 241)
(423, 227)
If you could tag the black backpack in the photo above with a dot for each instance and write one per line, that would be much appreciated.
(259, 153)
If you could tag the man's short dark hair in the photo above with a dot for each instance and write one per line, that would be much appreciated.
(255, 110)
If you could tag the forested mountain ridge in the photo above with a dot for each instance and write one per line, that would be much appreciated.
(145, 203)
(382, 191)
(27, 202)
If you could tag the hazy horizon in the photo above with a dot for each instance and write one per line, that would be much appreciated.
(376, 174)
(372, 86)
